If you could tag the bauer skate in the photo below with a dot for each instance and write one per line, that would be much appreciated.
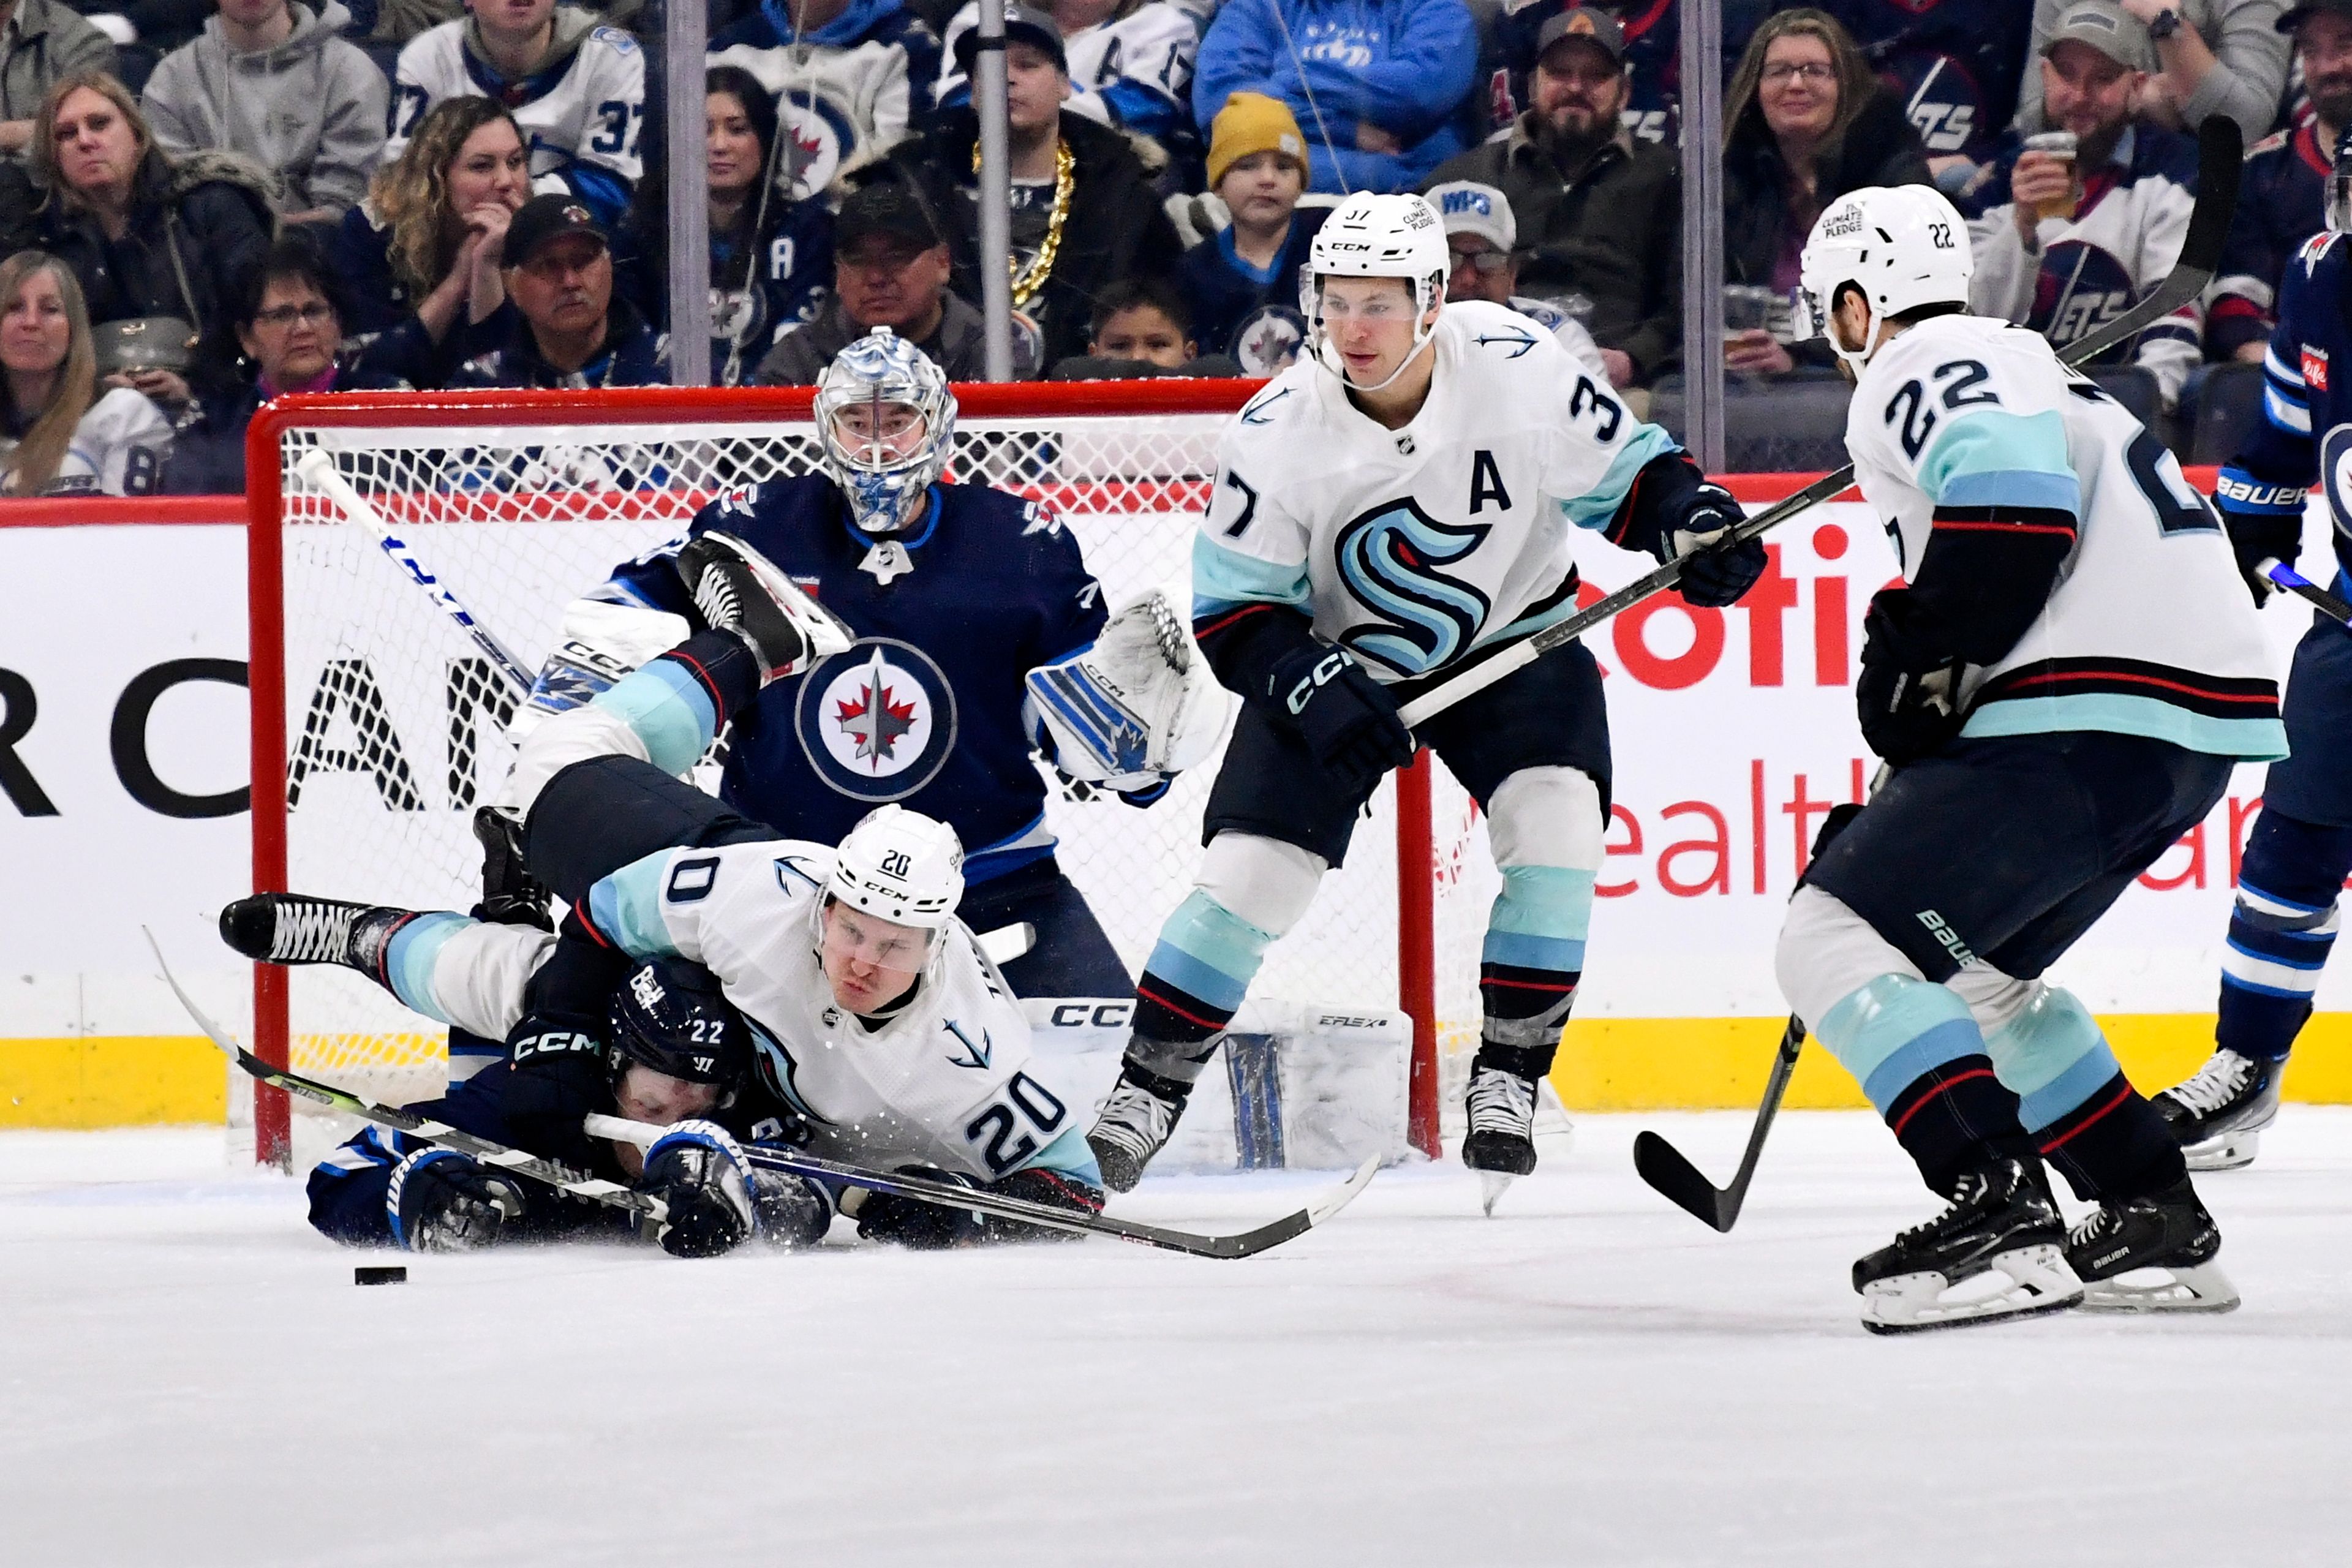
(294, 928)
(1500, 1144)
(2168, 1232)
(739, 590)
(1134, 1125)
(2218, 1116)
(1999, 1251)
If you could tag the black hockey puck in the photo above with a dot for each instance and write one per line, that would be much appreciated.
(391, 1274)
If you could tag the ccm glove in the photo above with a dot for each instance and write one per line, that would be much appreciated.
(557, 1074)
(1714, 575)
(1907, 694)
(1349, 719)
(698, 1172)
(2256, 537)
(442, 1201)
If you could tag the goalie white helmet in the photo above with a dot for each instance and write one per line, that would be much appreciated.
(900, 865)
(901, 419)
(1369, 236)
(1902, 246)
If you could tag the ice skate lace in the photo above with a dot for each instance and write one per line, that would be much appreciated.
(2221, 1079)
(309, 932)
(1501, 1102)
(2092, 1228)
(715, 596)
(1970, 1191)
(1136, 1119)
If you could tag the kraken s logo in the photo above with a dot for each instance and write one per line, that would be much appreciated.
(1389, 558)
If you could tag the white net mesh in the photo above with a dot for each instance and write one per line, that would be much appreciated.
(395, 717)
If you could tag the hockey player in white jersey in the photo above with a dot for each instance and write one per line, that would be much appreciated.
(577, 89)
(2061, 686)
(1390, 511)
(874, 1014)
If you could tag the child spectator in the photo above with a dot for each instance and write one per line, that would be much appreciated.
(2214, 57)
(1131, 63)
(1242, 283)
(272, 79)
(890, 270)
(576, 88)
(1484, 239)
(58, 437)
(568, 327)
(851, 79)
(1141, 329)
(1388, 76)
(42, 42)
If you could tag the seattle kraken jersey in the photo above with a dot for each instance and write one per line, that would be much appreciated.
(2305, 430)
(1414, 547)
(1966, 424)
(581, 113)
(925, 708)
(845, 93)
(1134, 70)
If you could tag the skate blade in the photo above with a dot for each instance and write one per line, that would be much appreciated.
(825, 633)
(2025, 1282)
(2230, 1152)
(2202, 1287)
(1491, 1186)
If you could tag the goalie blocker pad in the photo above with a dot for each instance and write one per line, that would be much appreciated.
(1134, 708)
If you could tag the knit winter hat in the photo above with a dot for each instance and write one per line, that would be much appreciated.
(1252, 123)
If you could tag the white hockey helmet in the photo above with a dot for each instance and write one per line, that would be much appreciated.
(887, 487)
(1369, 236)
(1902, 246)
(900, 865)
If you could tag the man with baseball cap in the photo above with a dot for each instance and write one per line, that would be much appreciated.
(563, 325)
(890, 269)
(1483, 237)
(2205, 57)
(1598, 214)
(2067, 237)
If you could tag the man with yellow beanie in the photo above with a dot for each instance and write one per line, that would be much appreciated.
(1242, 282)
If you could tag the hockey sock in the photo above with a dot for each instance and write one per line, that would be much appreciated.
(404, 954)
(1918, 1055)
(2281, 933)
(2084, 1114)
(677, 703)
(1197, 977)
(1531, 964)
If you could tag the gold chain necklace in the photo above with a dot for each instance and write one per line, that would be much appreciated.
(1027, 280)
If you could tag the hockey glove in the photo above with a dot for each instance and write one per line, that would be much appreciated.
(557, 1074)
(790, 1211)
(1907, 696)
(1712, 575)
(699, 1171)
(2256, 537)
(441, 1201)
(909, 1222)
(1349, 719)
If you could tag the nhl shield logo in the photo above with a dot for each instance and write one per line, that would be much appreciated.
(877, 722)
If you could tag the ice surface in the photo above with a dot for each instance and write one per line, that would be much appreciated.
(189, 1376)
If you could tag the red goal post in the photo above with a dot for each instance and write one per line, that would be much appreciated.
(376, 722)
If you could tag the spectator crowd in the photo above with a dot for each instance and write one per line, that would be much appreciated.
(206, 203)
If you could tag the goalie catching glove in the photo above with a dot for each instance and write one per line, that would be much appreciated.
(1133, 710)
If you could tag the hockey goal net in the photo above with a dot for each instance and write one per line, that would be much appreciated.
(379, 721)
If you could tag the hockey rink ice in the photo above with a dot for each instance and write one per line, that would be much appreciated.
(189, 1377)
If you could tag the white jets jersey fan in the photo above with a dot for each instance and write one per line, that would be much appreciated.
(118, 449)
(841, 108)
(1961, 411)
(1414, 547)
(593, 114)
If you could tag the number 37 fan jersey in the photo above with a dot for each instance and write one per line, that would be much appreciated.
(1964, 423)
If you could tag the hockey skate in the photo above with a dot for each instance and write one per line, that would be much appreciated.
(1500, 1144)
(739, 590)
(2218, 1116)
(1134, 1125)
(1999, 1251)
(2167, 1233)
(294, 928)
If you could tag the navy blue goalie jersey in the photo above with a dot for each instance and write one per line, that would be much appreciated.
(2304, 433)
(926, 710)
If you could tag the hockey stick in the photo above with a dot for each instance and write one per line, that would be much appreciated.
(1663, 1166)
(2217, 161)
(647, 1212)
(2303, 587)
(317, 468)
(948, 1196)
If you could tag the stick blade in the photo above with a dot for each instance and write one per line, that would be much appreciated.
(1662, 1165)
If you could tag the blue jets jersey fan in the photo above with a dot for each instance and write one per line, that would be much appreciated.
(846, 92)
(1132, 68)
(1956, 64)
(2279, 196)
(583, 108)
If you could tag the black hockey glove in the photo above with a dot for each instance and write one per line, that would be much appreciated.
(910, 1222)
(557, 1074)
(1349, 719)
(2256, 537)
(699, 1173)
(1714, 575)
(441, 1201)
(792, 1211)
(1906, 698)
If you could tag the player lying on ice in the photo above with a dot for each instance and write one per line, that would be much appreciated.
(1391, 511)
(880, 1030)
(2061, 685)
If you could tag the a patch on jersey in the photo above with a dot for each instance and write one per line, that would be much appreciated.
(619, 41)
(1389, 560)
(2313, 248)
(2315, 368)
(2079, 290)
(820, 137)
(877, 722)
(2336, 474)
(1267, 343)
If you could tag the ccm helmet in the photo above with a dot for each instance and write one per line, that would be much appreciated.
(900, 865)
(1369, 236)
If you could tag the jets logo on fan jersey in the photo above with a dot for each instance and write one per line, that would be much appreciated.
(877, 722)
(1389, 560)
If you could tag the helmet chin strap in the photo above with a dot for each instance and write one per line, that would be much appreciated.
(1860, 357)
(1423, 303)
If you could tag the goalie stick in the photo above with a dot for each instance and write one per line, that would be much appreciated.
(1248, 1244)
(2218, 158)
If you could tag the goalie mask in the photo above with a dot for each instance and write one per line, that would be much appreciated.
(885, 420)
(670, 1015)
(1369, 236)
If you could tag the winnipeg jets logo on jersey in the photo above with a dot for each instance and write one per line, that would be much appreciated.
(2079, 290)
(877, 722)
(2336, 477)
(1388, 559)
(820, 139)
